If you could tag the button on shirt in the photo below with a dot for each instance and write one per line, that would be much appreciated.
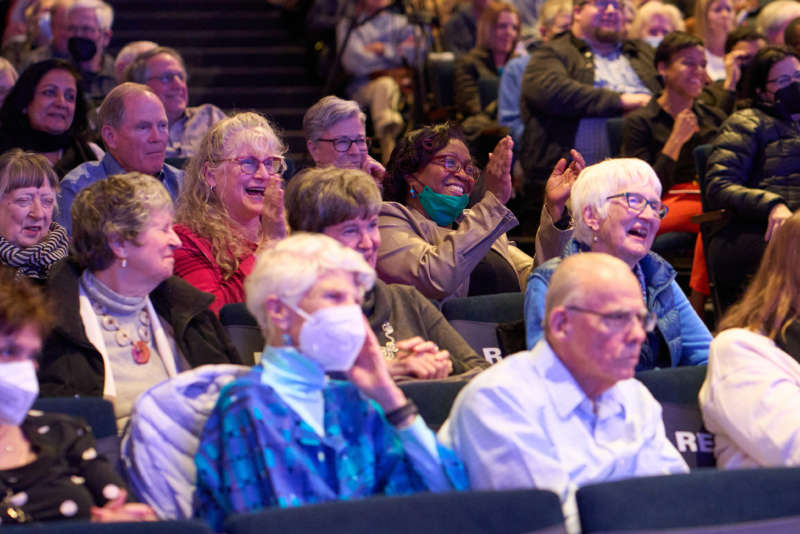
(91, 171)
(526, 423)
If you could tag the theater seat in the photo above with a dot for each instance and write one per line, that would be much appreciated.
(434, 398)
(746, 501)
(472, 512)
(243, 331)
(676, 389)
(84, 527)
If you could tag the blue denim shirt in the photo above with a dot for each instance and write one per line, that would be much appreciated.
(685, 333)
(92, 171)
(508, 113)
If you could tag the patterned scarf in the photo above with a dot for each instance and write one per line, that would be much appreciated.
(35, 261)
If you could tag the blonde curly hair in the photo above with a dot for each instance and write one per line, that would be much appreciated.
(199, 206)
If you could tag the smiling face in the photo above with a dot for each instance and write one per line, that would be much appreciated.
(324, 153)
(600, 21)
(151, 258)
(360, 234)
(686, 72)
(53, 105)
(439, 179)
(26, 214)
(505, 32)
(242, 194)
(624, 233)
(174, 93)
(140, 143)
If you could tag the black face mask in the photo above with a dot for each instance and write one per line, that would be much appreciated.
(788, 98)
(81, 48)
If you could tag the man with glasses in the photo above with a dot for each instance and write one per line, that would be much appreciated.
(162, 69)
(574, 83)
(568, 412)
(89, 28)
(133, 125)
(335, 135)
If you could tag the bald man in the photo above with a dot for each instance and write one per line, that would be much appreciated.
(568, 412)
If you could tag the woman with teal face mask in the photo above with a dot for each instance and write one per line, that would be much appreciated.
(431, 241)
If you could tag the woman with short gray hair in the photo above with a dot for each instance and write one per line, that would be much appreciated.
(123, 322)
(616, 207)
(415, 337)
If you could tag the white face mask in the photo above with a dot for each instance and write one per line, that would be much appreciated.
(333, 336)
(19, 387)
(653, 40)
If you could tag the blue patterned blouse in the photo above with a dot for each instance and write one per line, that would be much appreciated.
(255, 451)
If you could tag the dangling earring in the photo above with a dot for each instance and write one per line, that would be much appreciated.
(286, 340)
(124, 262)
(412, 192)
(594, 238)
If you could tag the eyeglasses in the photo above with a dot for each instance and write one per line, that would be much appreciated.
(638, 203)
(274, 165)
(785, 79)
(621, 320)
(167, 77)
(602, 5)
(452, 165)
(83, 31)
(342, 144)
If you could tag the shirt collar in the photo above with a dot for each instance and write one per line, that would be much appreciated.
(112, 166)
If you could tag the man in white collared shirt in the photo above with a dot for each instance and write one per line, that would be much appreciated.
(568, 412)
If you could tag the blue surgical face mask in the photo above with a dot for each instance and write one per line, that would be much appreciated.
(653, 40)
(443, 209)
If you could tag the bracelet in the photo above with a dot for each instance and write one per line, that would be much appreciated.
(398, 415)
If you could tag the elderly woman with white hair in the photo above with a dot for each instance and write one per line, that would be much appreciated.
(654, 20)
(335, 131)
(310, 438)
(617, 209)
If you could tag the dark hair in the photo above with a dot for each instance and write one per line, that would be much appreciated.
(756, 75)
(414, 151)
(791, 35)
(22, 304)
(742, 33)
(672, 43)
(16, 123)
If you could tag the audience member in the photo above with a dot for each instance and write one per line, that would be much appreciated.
(791, 35)
(628, 8)
(568, 412)
(46, 113)
(413, 334)
(617, 208)
(123, 323)
(89, 26)
(306, 293)
(57, 47)
(133, 125)
(754, 170)
(378, 43)
(774, 17)
(35, 29)
(574, 83)
(753, 375)
(231, 204)
(740, 49)
(713, 20)
(30, 241)
(555, 17)
(335, 132)
(8, 77)
(162, 69)
(665, 133)
(498, 35)
(49, 466)
(431, 176)
(128, 54)
(654, 20)
(460, 32)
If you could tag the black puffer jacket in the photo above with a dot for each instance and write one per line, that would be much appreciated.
(755, 164)
(71, 365)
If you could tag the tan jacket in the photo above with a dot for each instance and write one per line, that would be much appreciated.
(438, 260)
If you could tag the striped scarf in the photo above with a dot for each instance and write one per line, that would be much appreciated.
(35, 261)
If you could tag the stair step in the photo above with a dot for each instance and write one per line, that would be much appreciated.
(245, 98)
(248, 76)
(261, 56)
(180, 38)
(199, 20)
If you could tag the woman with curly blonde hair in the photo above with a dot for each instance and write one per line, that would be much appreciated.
(753, 382)
(230, 205)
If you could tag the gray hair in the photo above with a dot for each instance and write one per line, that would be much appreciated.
(139, 71)
(292, 266)
(321, 197)
(652, 8)
(128, 54)
(550, 9)
(103, 11)
(774, 17)
(599, 181)
(112, 110)
(328, 111)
